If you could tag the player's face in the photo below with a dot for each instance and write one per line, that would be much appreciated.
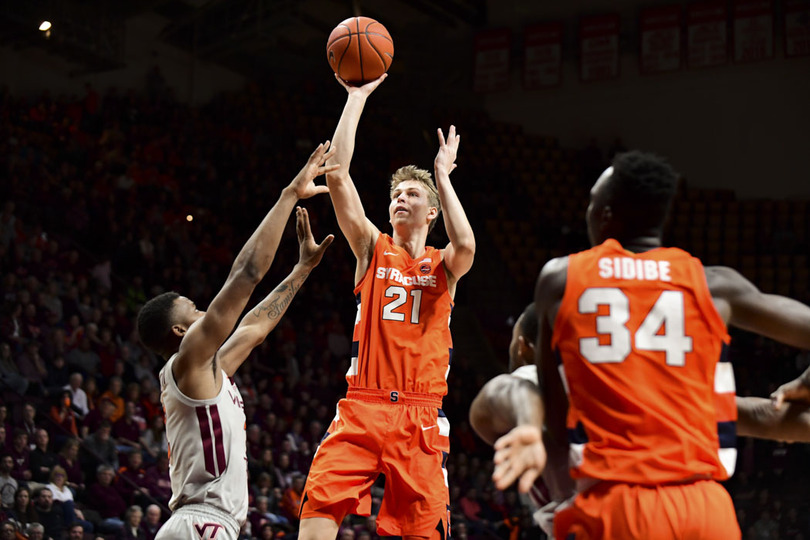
(594, 215)
(186, 311)
(409, 204)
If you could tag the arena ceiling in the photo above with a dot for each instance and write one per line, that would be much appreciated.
(252, 37)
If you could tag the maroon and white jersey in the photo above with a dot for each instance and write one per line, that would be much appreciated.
(207, 447)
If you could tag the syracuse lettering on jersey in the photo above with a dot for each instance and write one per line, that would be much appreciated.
(629, 268)
(409, 281)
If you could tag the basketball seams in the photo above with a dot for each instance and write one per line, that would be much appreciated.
(374, 48)
(354, 57)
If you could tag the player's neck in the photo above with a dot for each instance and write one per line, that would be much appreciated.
(411, 241)
(640, 244)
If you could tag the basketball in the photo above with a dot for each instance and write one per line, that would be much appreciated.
(359, 50)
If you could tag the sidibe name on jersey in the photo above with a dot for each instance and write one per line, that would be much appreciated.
(628, 268)
(409, 281)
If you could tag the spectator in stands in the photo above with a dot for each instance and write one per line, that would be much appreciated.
(78, 396)
(41, 460)
(20, 454)
(23, 510)
(75, 531)
(100, 449)
(11, 379)
(103, 412)
(8, 485)
(32, 367)
(28, 422)
(64, 495)
(132, 524)
(131, 481)
(63, 416)
(113, 393)
(84, 358)
(291, 500)
(151, 522)
(153, 440)
(126, 430)
(69, 461)
(56, 377)
(50, 514)
(104, 499)
(158, 481)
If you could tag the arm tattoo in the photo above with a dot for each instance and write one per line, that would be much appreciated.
(277, 302)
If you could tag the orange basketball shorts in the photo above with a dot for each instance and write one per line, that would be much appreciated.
(401, 435)
(700, 510)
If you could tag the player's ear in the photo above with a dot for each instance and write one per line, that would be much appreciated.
(525, 349)
(433, 213)
(179, 330)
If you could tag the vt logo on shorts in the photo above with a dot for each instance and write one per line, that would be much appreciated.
(208, 531)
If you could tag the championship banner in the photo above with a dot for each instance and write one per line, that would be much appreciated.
(599, 47)
(706, 35)
(543, 55)
(753, 30)
(797, 28)
(491, 70)
(660, 34)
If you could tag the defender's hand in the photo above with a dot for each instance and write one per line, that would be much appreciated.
(310, 253)
(520, 454)
(303, 185)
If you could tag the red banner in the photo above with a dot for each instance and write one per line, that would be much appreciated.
(599, 47)
(660, 39)
(753, 30)
(797, 28)
(543, 55)
(706, 35)
(491, 71)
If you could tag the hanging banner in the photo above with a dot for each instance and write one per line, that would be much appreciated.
(706, 35)
(599, 47)
(543, 55)
(797, 28)
(660, 34)
(491, 70)
(753, 30)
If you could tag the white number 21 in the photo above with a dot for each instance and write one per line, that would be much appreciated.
(667, 311)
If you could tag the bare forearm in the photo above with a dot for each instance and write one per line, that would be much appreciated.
(343, 139)
(504, 403)
(266, 315)
(258, 253)
(458, 227)
(758, 418)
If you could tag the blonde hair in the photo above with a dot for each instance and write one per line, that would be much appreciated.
(412, 172)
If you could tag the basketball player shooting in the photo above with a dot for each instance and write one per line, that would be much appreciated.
(204, 412)
(391, 420)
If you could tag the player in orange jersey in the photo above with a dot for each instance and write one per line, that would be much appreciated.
(511, 398)
(391, 420)
(632, 344)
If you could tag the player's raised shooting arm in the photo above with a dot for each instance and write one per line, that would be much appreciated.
(251, 264)
(263, 318)
(776, 317)
(356, 227)
(460, 252)
(503, 403)
(758, 418)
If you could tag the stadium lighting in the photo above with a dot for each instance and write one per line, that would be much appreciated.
(45, 26)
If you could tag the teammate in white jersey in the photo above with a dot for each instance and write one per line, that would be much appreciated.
(205, 421)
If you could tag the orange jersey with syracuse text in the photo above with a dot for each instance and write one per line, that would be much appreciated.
(402, 330)
(644, 359)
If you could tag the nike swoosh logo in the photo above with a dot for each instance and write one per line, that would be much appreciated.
(390, 253)
(425, 428)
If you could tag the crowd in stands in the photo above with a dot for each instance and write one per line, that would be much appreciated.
(110, 199)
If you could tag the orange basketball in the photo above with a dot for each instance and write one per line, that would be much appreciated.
(360, 50)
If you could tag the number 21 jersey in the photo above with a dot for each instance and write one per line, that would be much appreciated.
(401, 335)
(644, 357)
